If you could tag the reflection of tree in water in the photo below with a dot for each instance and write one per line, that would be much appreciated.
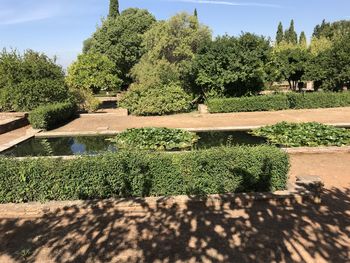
(94, 144)
(62, 146)
(227, 138)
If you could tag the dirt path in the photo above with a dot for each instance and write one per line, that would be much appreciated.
(108, 122)
(262, 233)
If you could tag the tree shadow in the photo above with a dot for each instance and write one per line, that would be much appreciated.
(195, 231)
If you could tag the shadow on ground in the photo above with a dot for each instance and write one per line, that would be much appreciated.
(193, 233)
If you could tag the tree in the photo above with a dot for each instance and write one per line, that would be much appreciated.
(290, 35)
(93, 72)
(335, 64)
(113, 8)
(280, 34)
(29, 80)
(332, 31)
(120, 39)
(171, 44)
(195, 13)
(302, 40)
(289, 63)
(170, 47)
(231, 66)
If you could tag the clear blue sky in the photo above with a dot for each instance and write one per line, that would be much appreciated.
(58, 27)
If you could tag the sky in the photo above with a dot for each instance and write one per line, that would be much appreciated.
(58, 27)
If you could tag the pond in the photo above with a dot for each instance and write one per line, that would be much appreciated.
(92, 145)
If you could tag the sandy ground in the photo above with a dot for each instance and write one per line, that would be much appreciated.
(262, 233)
(105, 122)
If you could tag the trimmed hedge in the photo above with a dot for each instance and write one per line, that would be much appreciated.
(49, 116)
(136, 174)
(280, 102)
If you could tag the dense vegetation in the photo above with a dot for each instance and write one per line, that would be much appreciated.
(135, 174)
(158, 139)
(49, 116)
(169, 66)
(29, 80)
(304, 134)
(280, 102)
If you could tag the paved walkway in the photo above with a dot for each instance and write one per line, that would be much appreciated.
(261, 233)
(111, 122)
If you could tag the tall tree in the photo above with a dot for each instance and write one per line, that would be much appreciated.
(302, 40)
(280, 34)
(195, 13)
(113, 8)
(291, 36)
(121, 40)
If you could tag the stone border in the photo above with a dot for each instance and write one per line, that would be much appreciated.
(30, 133)
(317, 150)
(306, 189)
(13, 122)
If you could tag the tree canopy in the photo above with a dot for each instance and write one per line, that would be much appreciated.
(231, 66)
(93, 72)
(120, 40)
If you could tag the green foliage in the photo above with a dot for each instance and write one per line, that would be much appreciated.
(280, 102)
(170, 47)
(113, 8)
(289, 63)
(302, 40)
(49, 116)
(120, 39)
(332, 31)
(247, 104)
(29, 80)
(158, 139)
(135, 174)
(290, 36)
(231, 66)
(93, 72)
(158, 100)
(279, 34)
(29, 94)
(310, 134)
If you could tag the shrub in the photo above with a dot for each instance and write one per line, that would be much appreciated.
(165, 99)
(280, 102)
(255, 103)
(49, 116)
(304, 134)
(29, 80)
(135, 174)
(156, 139)
(30, 94)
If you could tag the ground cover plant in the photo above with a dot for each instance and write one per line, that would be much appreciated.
(158, 139)
(138, 174)
(309, 134)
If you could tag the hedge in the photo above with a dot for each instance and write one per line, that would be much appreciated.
(136, 174)
(49, 116)
(280, 102)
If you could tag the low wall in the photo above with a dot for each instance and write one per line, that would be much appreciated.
(12, 121)
(305, 189)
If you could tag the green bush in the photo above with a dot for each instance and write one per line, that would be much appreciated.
(304, 134)
(280, 102)
(165, 99)
(29, 80)
(255, 103)
(136, 174)
(31, 94)
(49, 116)
(159, 139)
